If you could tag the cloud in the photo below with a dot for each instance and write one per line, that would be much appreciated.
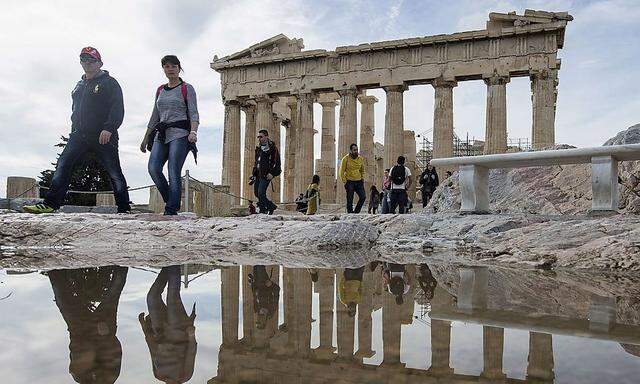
(595, 97)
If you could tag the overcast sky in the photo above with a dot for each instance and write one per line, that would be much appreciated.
(41, 40)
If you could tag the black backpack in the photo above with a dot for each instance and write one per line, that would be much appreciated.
(398, 175)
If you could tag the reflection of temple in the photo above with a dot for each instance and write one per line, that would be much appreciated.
(284, 354)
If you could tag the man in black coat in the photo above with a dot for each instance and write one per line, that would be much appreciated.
(265, 168)
(429, 182)
(96, 114)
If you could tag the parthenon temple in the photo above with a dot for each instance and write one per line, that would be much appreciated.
(276, 83)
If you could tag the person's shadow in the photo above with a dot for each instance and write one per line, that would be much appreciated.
(168, 330)
(88, 301)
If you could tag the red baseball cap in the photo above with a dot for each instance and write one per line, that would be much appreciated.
(91, 52)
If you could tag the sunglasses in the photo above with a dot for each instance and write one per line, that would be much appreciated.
(88, 60)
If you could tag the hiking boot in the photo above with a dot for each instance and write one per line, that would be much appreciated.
(38, 208)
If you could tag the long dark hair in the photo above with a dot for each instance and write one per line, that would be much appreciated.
(374, 189)
(171, 59)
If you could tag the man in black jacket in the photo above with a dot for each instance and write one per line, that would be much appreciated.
(265, 168)
(429, 181)
(97, 112)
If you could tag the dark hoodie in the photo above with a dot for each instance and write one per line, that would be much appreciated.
(97, 106)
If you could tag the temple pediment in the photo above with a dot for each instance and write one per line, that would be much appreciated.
(276, 45)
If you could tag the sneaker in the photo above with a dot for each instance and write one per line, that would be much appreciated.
(38, 208)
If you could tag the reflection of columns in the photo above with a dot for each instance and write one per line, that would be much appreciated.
(540, 361)
(230, 293)
(247, 307)
(325, 287)
(345, 325)
(443, 118)
(304, 152)
(602, 313)
(274, 134)
(492, 350)
(231, 148)
(543, 98)
(249, 150)
(472, 291)
(367, 132)
(391, 330)
(290, 155)
(364, 315)
(394, 125)
(440, 347)
(347, 131)
(496, 126)
(327, 169)
(301, 315)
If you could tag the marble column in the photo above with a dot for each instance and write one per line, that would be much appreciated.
(326, 288)
(394, 125)
(410, 153)
(440, 347)
(249, 151)
(443, 118)
(345, 326)
(230, 295)
(304, 152)
(248, 320)
(365, 308)
(302, 311)
(367, 132)
(540, 360)
(496, 126)
(391, 330)
(543, 97)
(231, 148)
(347, 133)
(274, 134)
(492, 351)
(327, 171)
(290, 155)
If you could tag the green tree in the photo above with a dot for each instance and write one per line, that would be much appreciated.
(88, 175)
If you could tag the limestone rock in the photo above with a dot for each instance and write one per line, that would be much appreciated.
(563, 189)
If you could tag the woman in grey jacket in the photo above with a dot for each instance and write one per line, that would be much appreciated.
(172, 131)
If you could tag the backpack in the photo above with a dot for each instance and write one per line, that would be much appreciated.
(398, 174)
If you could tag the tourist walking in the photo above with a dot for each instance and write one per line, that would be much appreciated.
(374, 199)
(312, 195)
(350, 289)
(169, 331)
(96, 114)
(400, 177)
(352, 175)
(384, 196)
(265, 167)
(171, 133)
(429, 182)
(266, 295)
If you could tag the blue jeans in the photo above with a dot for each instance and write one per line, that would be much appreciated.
(355, 187)
(260, 190)
(175, 152)
(78, 145)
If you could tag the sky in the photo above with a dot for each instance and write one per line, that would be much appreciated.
(41, 40)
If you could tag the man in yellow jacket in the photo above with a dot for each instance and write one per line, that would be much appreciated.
(352, 175)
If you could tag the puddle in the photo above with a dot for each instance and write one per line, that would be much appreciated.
(267, 324)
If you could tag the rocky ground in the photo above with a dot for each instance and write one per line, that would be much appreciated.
(536, 241)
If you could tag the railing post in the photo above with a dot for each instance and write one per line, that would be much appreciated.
(186, 191)
(474, 188)
(604, 184)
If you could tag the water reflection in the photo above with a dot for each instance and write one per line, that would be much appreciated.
(88, 301)
(168, 330)
(369, 324)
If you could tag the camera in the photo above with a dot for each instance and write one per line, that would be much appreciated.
(252, 180)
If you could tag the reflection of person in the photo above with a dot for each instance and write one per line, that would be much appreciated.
(427, 282)
(350, 289)
(397, 280)
(95, 352)
(266, 294)
(168, 330)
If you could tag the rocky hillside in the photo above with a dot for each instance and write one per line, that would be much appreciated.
(553, 190)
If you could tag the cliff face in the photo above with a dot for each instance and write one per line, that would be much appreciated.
(556, 190)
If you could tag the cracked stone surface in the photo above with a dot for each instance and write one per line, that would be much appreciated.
(533, 241)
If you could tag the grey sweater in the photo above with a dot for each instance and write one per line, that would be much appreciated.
(170, 107)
